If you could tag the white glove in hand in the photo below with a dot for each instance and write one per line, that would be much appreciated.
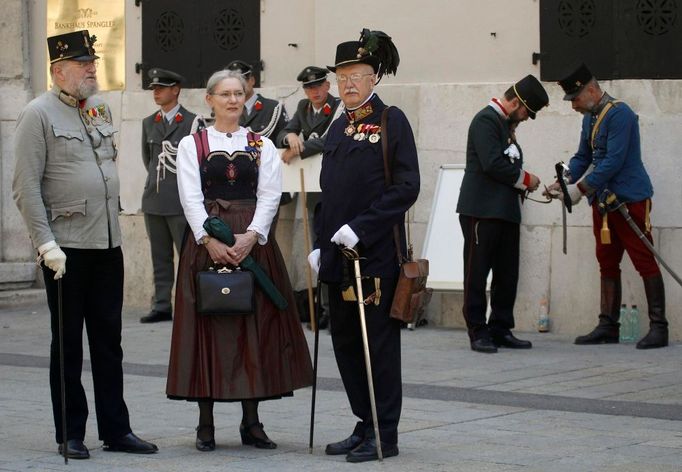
(574, 192)
(314, 260)
(53, 258)
(345, 237)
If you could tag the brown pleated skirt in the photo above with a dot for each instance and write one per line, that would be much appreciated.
(228, 358)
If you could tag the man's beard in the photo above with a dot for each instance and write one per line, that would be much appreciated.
(86, 89)
(514, 116)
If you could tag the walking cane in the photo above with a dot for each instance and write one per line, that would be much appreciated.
(311, 308)
(353, 255)
(62, 381)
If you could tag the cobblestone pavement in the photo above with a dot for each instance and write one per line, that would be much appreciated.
(557, 407)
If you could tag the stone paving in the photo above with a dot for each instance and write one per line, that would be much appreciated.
(557, 407)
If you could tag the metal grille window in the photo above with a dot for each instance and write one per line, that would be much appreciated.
(618, 39)
(199, 37)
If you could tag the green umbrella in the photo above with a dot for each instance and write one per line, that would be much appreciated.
(222, 231)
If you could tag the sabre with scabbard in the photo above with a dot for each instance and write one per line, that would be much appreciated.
(353, 255)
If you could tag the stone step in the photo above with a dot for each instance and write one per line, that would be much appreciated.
(30, 296)
(17, 275)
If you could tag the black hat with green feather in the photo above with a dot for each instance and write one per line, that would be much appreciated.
(374, 48)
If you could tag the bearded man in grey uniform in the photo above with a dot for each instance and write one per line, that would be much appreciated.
(67, 189)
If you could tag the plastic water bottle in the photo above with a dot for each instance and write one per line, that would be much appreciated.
(634, 323)
(543, 316)
(625, 324)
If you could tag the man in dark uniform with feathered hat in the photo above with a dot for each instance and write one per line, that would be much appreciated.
(359, 210)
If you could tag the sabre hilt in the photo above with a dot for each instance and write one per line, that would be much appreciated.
(563, 176)
(608, 202)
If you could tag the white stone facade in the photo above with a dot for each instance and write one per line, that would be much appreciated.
(451, 66)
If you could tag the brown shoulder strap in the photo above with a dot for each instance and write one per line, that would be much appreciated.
(387, 175)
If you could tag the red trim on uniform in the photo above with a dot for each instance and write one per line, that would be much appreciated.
(526, 179)
(504, 110)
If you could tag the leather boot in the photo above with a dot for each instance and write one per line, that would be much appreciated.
(608, 329)
(658, 325)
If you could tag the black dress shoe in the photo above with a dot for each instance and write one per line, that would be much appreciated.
(130, 443)
(483, 345)
(249, 439)
(208, 445)
(367, 451)
(75, 449)
(155, 316)
(343, 447)
(511, 341)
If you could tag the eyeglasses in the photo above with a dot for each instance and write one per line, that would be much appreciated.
(226, 95)
(85, 64)
(354, 78)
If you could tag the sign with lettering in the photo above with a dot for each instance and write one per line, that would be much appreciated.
(106, 21)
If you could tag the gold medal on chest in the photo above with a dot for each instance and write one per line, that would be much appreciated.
(374, 138)
(350, 129)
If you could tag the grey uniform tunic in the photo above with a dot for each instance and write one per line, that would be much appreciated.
(65, 183)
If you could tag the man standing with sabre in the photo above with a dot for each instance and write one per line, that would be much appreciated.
(358, 212)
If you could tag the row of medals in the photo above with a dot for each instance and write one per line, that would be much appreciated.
(361, 136)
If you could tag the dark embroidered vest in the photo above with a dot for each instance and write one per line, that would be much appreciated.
(228, 176)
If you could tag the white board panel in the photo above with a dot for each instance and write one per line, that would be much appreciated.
(291, 176)
(444, 243)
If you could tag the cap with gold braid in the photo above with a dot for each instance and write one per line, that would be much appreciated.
(531, 94)
(77, 46)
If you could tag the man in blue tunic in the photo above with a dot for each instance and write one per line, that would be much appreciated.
(358, 210)
(609, 157)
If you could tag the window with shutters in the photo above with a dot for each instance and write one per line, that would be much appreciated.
(196, 38)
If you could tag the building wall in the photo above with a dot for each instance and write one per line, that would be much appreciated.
(455, 55)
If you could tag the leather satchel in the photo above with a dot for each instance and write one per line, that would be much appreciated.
(411, 294)
(225, 292)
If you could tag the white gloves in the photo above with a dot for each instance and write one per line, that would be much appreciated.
(314, 260)
(574, 192)
(54, 258)
(345, 237)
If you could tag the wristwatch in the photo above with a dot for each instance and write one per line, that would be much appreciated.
(204, 239)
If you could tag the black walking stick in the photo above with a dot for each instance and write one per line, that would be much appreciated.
(316, 328)
(62, 380)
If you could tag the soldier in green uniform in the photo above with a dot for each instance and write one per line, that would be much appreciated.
(163, 217)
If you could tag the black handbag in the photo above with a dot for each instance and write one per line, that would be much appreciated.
(225, 292)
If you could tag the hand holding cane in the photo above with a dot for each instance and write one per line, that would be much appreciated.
(353, 255)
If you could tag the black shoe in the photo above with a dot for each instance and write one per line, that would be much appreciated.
(602, 334)
(130, 443)
(655, 338)
(367, 451)
(155, 316)
(75, 449)
(511, 341)
(343, 447)
(249, 439)
(483, 345)
(205, 446)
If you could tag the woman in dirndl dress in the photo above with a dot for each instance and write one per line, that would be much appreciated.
(231, 173)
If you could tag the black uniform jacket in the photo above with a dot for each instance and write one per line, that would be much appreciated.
(307, 122)
(354, 193)
(487, 189)
(258, 120)
(166, 201)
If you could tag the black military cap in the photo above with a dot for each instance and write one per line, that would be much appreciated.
(76, 46)
(311, 76)
(532, 94)
(575, 82)
(242, 67)
(164, 78)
